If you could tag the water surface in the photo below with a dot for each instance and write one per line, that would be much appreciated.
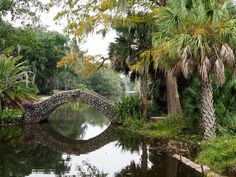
(78, 141)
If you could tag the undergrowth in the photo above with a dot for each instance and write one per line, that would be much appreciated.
(220, 154)
(10, 116)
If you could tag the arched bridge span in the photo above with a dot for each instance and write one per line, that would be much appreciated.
(39, 111)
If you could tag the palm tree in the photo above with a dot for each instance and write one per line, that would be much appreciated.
(132, 52)
(16, 83)
(197, 36)
(126, 56)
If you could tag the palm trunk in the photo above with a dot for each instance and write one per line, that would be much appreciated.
(2, 105)
(144, 92)
(173, 102)
(208, 112)
(163, 2)
(144, 159)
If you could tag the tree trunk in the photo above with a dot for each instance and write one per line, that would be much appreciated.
(208, 112)
(144, 159)
(163, 2)
(1, 105)
(144, 93)
(172, 167)
(173, 102)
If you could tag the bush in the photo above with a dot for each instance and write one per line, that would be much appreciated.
(16, 81)
(80, 86)
(10, 116)
(224, 103)
(129, 107)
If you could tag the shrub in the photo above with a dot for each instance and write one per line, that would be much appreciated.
(16, 82)
(10, 116)
(225, 104)
(80, 86)
(129, 107)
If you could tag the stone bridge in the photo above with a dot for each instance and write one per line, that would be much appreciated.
(45, 135)
(39, 111)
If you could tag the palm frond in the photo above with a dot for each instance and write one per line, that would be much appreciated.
(220, 71)
(227, 55)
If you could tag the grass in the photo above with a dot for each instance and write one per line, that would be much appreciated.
(169, 128)
(219, 154)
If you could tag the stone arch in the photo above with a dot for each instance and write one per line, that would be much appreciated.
(39, 111)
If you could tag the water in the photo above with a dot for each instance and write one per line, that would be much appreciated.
(77, 142)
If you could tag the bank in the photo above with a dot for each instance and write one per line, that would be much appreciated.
(218, 153)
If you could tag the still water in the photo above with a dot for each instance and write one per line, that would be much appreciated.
(78, 141)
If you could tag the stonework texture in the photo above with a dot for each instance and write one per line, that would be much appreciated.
(40, 110)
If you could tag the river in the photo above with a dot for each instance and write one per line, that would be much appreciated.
(78, 141)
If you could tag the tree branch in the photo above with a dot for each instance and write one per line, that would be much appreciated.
(103, 61)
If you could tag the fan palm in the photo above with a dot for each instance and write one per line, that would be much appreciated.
(197, 36)
(15, 81)
(126, 55)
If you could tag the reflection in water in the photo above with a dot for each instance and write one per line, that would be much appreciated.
(67, 146)
(18, 159)
(45, 135)
(74, 121)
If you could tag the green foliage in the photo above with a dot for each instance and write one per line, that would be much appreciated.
(80, 86)
(219, 153)
(225, 104)
(16, 81)
(71, 120)
(10, 116)
(104, 82)
(8, 132)
(131, 50)
(208, 31)
(42, 49)
(64, 80)
(156, 91)
(191, 103)
(169, 127)
(129, 140)
(21, 9)
(48, 49)
(128, 108)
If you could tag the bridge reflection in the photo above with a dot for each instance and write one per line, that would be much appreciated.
(45, 135)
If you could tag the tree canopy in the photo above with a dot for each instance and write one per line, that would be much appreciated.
(26, 10)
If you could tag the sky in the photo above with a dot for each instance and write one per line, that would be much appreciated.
(95, 44)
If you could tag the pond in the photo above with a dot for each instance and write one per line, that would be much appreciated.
(78, 141)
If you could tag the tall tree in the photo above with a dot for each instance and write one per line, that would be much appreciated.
(132, 52)
(198, 36)
(41, 48)
(100, 16)
(48, 49)
(24, 10)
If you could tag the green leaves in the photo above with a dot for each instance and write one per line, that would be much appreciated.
(25, 10)
(10, 116)
(198, 32)
(129, 107)
(16, 84)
